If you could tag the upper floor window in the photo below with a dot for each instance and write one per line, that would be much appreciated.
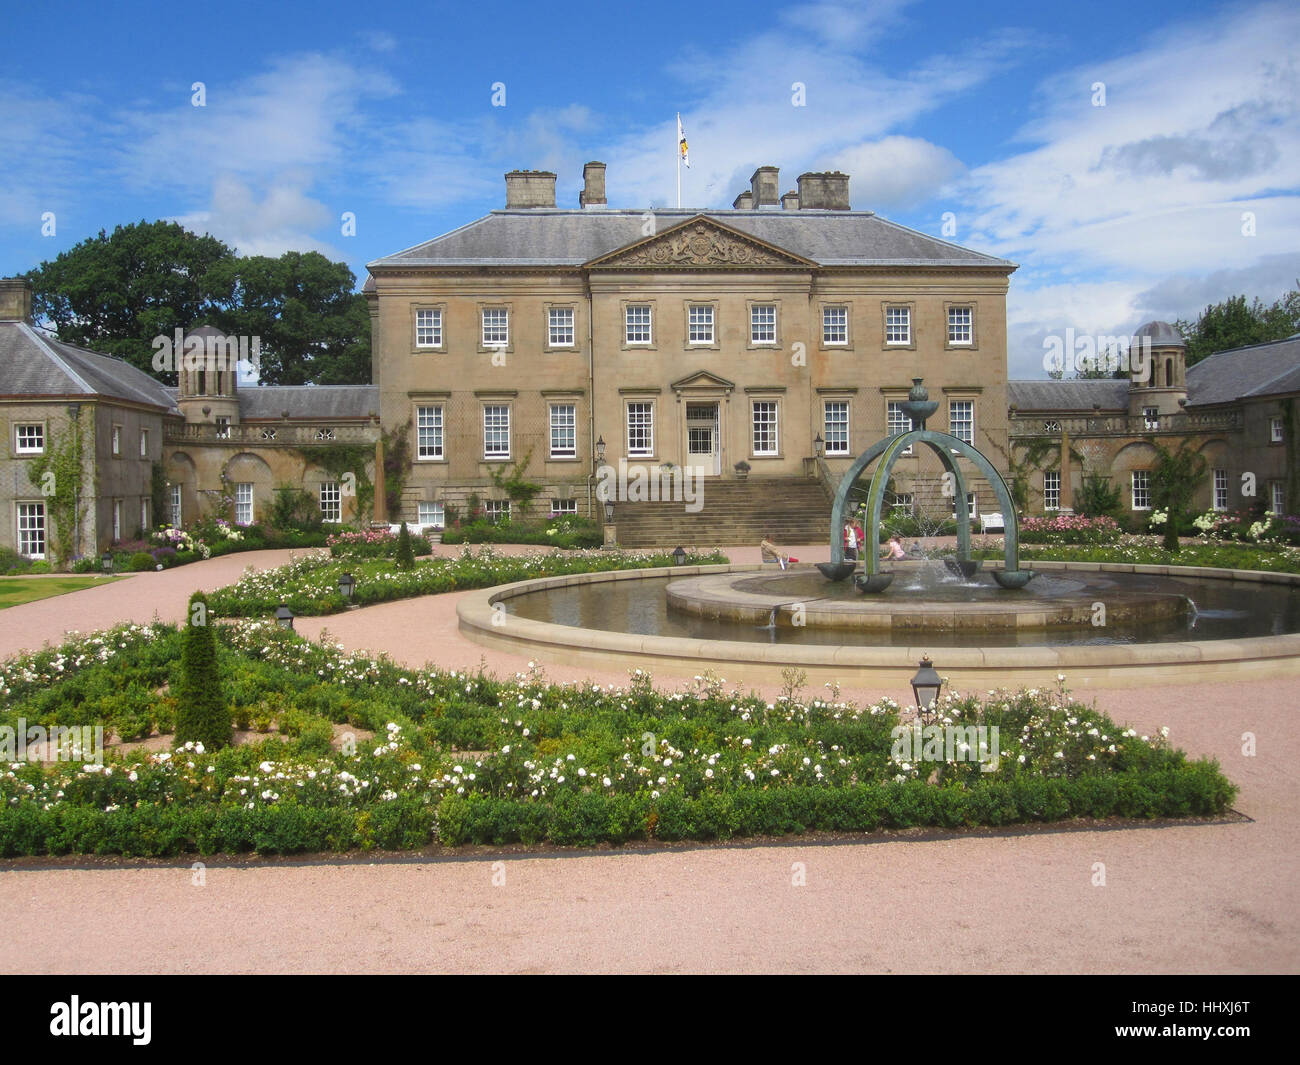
(1275, 430)
(428, 329)
(560, 327)
(961, 420)
(835, 325)
(700, 323)
(959, 325)
(636, 318)
(144, 443)
(898, 325)
(496, 327)
(1151, 417)
(117, 441)
(29, 439)
(223, 429)
(762, 323)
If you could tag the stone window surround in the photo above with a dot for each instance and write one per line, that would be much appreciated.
(492, 401)
(885, 307)
(45, 525)
(974, 344)
(13, 438)
(695, 345)
(767, 394)
(847, 400)
(763, 345)
(564, 305)
(496, 305)
(430, 399)
(441, 308)
(822, 307)
(652, 344)
(653, 401)
(115, 440)
(551, 404)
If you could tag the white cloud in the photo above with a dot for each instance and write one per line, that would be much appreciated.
(283, 219)
(896, 172)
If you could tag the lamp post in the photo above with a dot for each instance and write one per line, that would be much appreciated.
(347, 585)
(926, 685)
(284, 617)
(600, 449)
(679, 556)
(819, 445)
(611, 531)
(107, 561)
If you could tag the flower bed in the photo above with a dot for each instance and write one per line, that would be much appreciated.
(1148, 551)
(461, 758)
(309, 586)
(373, 543)
(1069, 529)
(564, 531)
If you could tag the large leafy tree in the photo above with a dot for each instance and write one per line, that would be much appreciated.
(1234, 323)
(116, 292)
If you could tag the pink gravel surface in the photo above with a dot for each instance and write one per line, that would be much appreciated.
(1219, 897)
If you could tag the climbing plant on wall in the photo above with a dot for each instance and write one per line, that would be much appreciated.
(59, 474)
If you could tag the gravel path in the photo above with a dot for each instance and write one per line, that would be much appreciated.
(1189, 898)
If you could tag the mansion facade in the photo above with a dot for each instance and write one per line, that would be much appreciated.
(768, 344)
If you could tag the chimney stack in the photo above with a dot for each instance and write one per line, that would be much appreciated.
(765, 186)
(826, 191)
(15, 299)
(743, 202)
(530, 188)
(790, 201)
(593, 186)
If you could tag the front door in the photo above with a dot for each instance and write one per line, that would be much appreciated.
(702, 445)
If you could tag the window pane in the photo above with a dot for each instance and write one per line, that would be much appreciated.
(898, 325)
(837, 427)
(31, 529)
(762, 324)
(429, 432)
(835, 325)
(496, 329)
(243, 504)
(700, 321)
(765, 432)
(561, 327)
(961, 420)
(638, 324)
(431, 514)
(428, 329)
(564, 424)
(640, 429)
(331, 503)
(959, 325)
(496, 431)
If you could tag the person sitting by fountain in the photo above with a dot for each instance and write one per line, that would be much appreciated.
(850, 542)
(893, 550)
(772, 553)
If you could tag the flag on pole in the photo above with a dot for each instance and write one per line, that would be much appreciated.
(681, 143)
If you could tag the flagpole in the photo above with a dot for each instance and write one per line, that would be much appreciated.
(679, 160)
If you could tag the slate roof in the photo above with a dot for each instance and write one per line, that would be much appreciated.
(307, 401)
(32, 364)
(1258, 370)
(1068, 395)
(563, 237)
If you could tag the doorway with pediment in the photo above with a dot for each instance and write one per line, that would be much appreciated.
(702, 399)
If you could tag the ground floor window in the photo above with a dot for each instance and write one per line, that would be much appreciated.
(1220, 489)
(144, 515)
(970, 505)
(117, 520)
(331, 502)
(243, 504)
(564, 506)
(431, 514)
(1277, 497)
(176, 505)
(498, 510)
(1140, 488)
(904, 502)
(837, 426)
(1052, 490)
(31, 529)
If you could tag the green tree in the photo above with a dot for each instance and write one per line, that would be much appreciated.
(202, 714)
(115, 293)
(1234, 323)
(1098, 497)
(405, 558)
(313, 326)
(1174, 483)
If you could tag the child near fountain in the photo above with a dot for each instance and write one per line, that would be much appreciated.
(850, 542)
(893, 549)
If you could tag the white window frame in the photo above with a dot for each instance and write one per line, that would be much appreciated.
(896, 416)
(144, 515)
(492, 432)
(1275, 431)
(28, 449)
(1051, 489)
(972, 505)
(953, 423)
(331, 502)
(555, 327)
(893, 325)
(1219, 489)
(144, 443)
(431, 513)
(904, 501)
(768, 427)
(831, 328)
(1277, 497)
(117, 520)
(567, 428)
(699, 317)
(496, 509)
(762, 329)
(842, 447)
(434, 432)
(638, 326)
(223, 428)
(956, 326)
(1139, 482)
(1150, 417)
(117, 441)
(244, 503)
(644, 428)
(176, 506)
(30, 528)
(564, 507)
(432, 328)
(500, 317)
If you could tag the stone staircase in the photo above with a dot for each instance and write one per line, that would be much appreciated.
(793, 510)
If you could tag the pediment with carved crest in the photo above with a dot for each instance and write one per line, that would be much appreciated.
(700, 243)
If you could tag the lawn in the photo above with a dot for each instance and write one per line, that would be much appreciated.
(17, 590)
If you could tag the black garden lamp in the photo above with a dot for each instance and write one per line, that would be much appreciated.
(600, 448)
(819, 445)
(107, 561)
(284, 617)
(347, 584)
(609, 512)
(926, 684)
(679, 556)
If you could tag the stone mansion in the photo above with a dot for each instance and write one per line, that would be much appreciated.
(763, 346)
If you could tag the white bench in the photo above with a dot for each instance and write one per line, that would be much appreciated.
(992, 521)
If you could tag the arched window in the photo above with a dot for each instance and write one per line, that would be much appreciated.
(1169, 373)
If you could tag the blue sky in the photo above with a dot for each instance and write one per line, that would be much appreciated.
(1116, 213)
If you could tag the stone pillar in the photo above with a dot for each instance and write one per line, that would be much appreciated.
(1067, 491)
(381, 493)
